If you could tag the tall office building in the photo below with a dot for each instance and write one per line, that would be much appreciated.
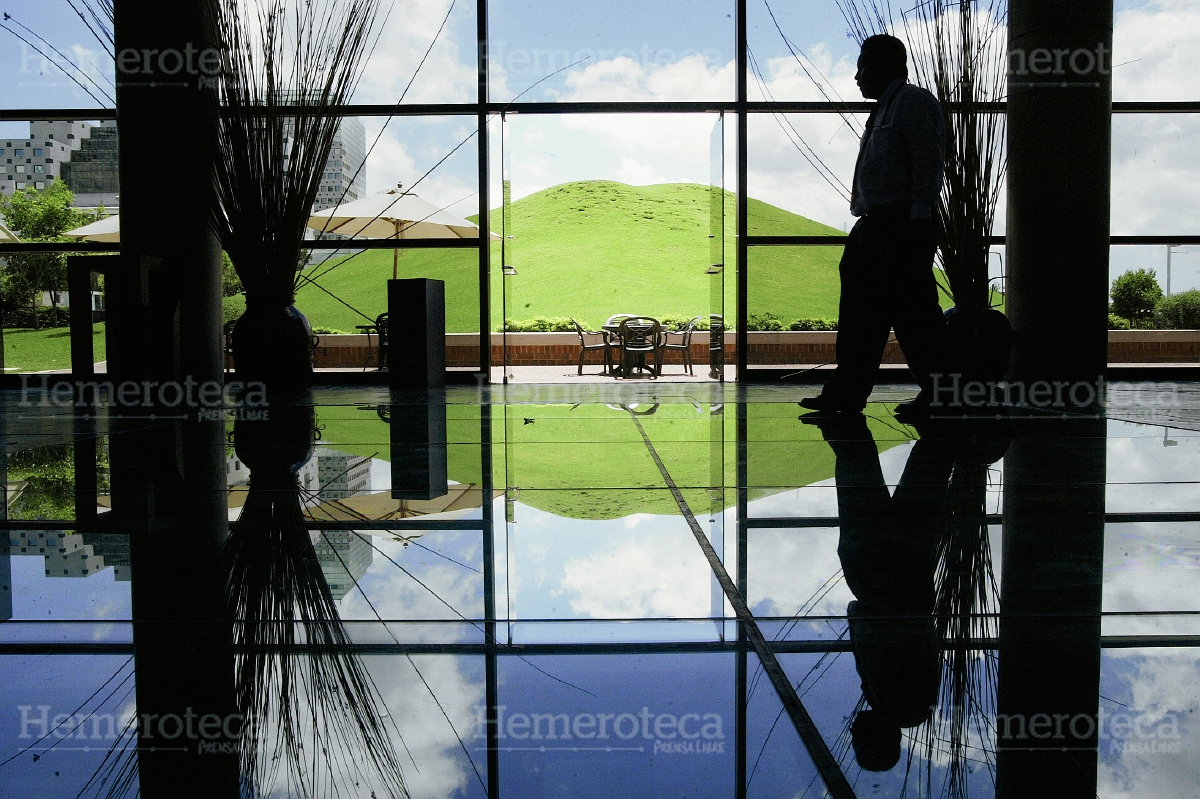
(345, 557)
(342, 475)
(92, 169)
(344, 169)
(36, 160)
(65, 554)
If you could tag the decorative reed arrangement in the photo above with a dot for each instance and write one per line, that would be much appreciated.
(957, 50)
(288, 66)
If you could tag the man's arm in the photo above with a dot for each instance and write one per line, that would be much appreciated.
(923, 129)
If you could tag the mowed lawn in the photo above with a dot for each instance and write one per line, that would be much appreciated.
(28, 350)
(593, 249)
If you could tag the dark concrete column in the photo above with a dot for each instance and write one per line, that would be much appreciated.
(1059, 175)
(1049, 676)
(166, 121)
(168, 477)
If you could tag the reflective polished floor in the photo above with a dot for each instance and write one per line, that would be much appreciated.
(643, 590)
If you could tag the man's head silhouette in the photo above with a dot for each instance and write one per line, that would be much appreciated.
(876, 741)
(883, 59)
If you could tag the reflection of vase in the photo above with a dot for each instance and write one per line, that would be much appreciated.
(272, 344)
(299, 700)
(980, 342)
(278, 446)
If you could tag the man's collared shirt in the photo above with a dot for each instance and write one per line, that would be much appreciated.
(900, 157)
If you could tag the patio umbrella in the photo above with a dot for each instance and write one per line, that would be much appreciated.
(106, 229)
(395, 214)
(6, 234)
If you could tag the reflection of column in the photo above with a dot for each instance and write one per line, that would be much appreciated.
(6, 586)
(1048, 696)
(169, 496)
(418, 447)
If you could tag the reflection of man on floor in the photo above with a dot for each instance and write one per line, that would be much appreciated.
(887, 267)
(887, 548)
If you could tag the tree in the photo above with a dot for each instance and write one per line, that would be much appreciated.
(231, 284)
(1135, 295)
(39, 216)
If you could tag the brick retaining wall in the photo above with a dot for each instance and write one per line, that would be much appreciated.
(766, 349)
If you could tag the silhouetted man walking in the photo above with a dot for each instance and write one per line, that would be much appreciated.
(887, 267)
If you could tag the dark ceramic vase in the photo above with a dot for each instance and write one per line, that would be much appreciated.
(980, 342)
(272, 344)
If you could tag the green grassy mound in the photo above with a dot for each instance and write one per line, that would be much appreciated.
(595, 248)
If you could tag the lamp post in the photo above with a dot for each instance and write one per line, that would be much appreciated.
(1170, 247)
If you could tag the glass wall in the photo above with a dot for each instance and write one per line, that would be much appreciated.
(798, 166)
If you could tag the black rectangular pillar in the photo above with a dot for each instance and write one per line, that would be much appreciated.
(79, 297)
(416, 334)
(1059, 184)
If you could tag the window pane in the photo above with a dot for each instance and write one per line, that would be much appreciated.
(800, 169)
(1155, 180)
(79, 75)
(1152, 42)
(449, 73)
(616, 50)
(816, 41)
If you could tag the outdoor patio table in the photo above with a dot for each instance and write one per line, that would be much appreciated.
(615, 342)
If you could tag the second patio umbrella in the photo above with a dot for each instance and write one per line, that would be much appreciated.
(106, 229)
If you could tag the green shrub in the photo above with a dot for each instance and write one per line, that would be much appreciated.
(764, 321)
(674, 322)
(813, 323)
(1117, 322)
(1180, 311)
(232, 308)
(321, 330)
(541, 324)
(1135, 295)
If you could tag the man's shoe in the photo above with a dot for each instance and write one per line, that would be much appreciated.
(913, 409)
(823, 404)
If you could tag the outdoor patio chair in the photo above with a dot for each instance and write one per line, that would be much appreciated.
(613, 328)
(640, 336)
(685, 345)
(379, 328)
(227, 330)
(584, 348)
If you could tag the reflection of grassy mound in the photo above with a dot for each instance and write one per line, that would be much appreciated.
(595, 248)
(589, 461)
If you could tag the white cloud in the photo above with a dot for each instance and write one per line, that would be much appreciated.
(449, 74)
(636, 174)
(1157, 682)
(652, 577)
(625, 80)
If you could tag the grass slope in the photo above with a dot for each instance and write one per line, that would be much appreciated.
(595, 248)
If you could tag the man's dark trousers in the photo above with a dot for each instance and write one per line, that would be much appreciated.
(887, 282)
